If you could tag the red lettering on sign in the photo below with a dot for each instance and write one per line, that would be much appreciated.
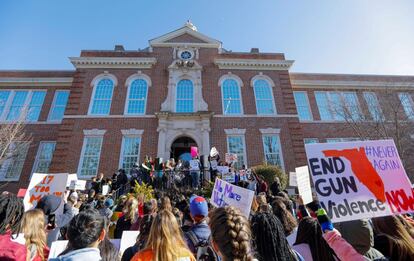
(399, 200)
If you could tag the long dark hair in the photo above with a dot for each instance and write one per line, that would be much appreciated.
(269, 238)
(286, 218)
(11, 213)
(310, 232)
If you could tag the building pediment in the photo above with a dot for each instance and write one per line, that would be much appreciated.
(187, 36)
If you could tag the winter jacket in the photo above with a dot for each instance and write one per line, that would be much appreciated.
(89, 254)
(148, 255)
(202, 233)
(343, 250)
(10, 250)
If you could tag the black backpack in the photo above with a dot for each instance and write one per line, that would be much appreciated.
(203, 249)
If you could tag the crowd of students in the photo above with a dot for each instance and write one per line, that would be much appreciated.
(178, 224)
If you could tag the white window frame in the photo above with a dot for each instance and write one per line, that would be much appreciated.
(176, 95)
(94, 133)
(6, 110)
(410, 100)
(36, 163)
(331, 140)
(54, 104)
(273, 132)
(307, 104)
(94, 84)
(272, 85)
(332, 111)
(6, 164)
(237, 133)
(131, 133)
(128, 83)
(231, 76)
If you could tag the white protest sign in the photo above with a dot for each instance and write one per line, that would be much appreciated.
(223, 169)
(361, 179)
(213, 164)
(303, 182)
(225, 194)
(292, 179)
(77, 184)
(229, 177)
(44, 184)
(128, 239)
(105, 190)
(70, 178)
(194, 165)
(230, 157)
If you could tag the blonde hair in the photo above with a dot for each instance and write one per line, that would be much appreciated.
(165, 238)
(33, 227)
(131, 209)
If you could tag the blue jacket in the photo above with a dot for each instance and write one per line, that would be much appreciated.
(89, 254)
(201, 231)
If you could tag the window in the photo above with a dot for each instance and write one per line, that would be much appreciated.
(310, 140)
(137, 96)
(302, 105)
(35, 106)
(374, 107)
(18, 104)
(184, 102)
(264, 97)
(407, 103)
(59, 105)
(4, 96)
(338, 106)
(102, 97)
(19, 100)
(130, 152)
(272, 151)
(91, 152)
(351, 106)
(44, 157)
(230, 90)
(236, 145)
(13, 165)
(323, 106)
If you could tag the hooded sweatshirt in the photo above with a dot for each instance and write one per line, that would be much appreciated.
(90, 254)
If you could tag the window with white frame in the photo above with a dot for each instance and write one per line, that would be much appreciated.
(407, 104)
(130, 152)
(302, 105)
(12, 166)
(272, 149)
(333, 140)
(232, 104)
(59, 105)
(374, 107)
(91, 153)
(102, 97)
(338, 106)
(44, 157)
(137, 97)
(236, 145)
(21, 105)
(310, 140)
(264, 97)
(185, 96)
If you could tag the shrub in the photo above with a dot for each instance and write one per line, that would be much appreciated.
(144, 189)
(269, 172)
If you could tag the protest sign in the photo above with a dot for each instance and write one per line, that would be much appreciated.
(292, 179)
(128, 239)
(194, 152)
(224, 194)
(70, 178)
(355, 180)
(231, 157)
(213, 164)
(223, 169)
(303, 182)
(229, 177)
(194, 165)
(105, 190)
(44, 184)
(77, 184)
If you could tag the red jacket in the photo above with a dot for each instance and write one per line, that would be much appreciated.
(10, 250)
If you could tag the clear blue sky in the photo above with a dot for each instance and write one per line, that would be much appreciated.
(340, 36)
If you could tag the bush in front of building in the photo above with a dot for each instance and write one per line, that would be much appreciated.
(269, 172)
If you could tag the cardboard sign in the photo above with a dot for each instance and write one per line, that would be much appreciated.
(77, 184)
(44, 184)
(292, 179)
(229, 177)
(70, 178)
(194, 165)
(105, 190)
(303, 182)
(223, 169)
(225, 194)
(194, 152)
(364, 179)
(128, 239)
(231, 157)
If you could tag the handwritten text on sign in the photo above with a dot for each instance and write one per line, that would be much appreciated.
(357, 180)
(225, 194)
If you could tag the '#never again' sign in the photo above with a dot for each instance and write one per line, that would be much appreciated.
(357, 180)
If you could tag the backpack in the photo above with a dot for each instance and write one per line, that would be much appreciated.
(203, 249)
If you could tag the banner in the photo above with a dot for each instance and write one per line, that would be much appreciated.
(225, 194)
(303, 183)
(230, 157)
(44, 184)
(194, 152)
(355, 180)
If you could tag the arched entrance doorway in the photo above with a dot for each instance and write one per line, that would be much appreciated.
(180, 148)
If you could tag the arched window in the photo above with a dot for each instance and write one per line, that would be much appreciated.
(185, 96)
(264, 97)
(232, 104)
(102, 97)
(137, 97)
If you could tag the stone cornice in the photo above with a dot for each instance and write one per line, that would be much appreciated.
(195, 116)
(94, 132)
(132, 132)
(349, 84)
(269, 131)
(36, 81)
(113, 62)
(235, 131)
(253, 64)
